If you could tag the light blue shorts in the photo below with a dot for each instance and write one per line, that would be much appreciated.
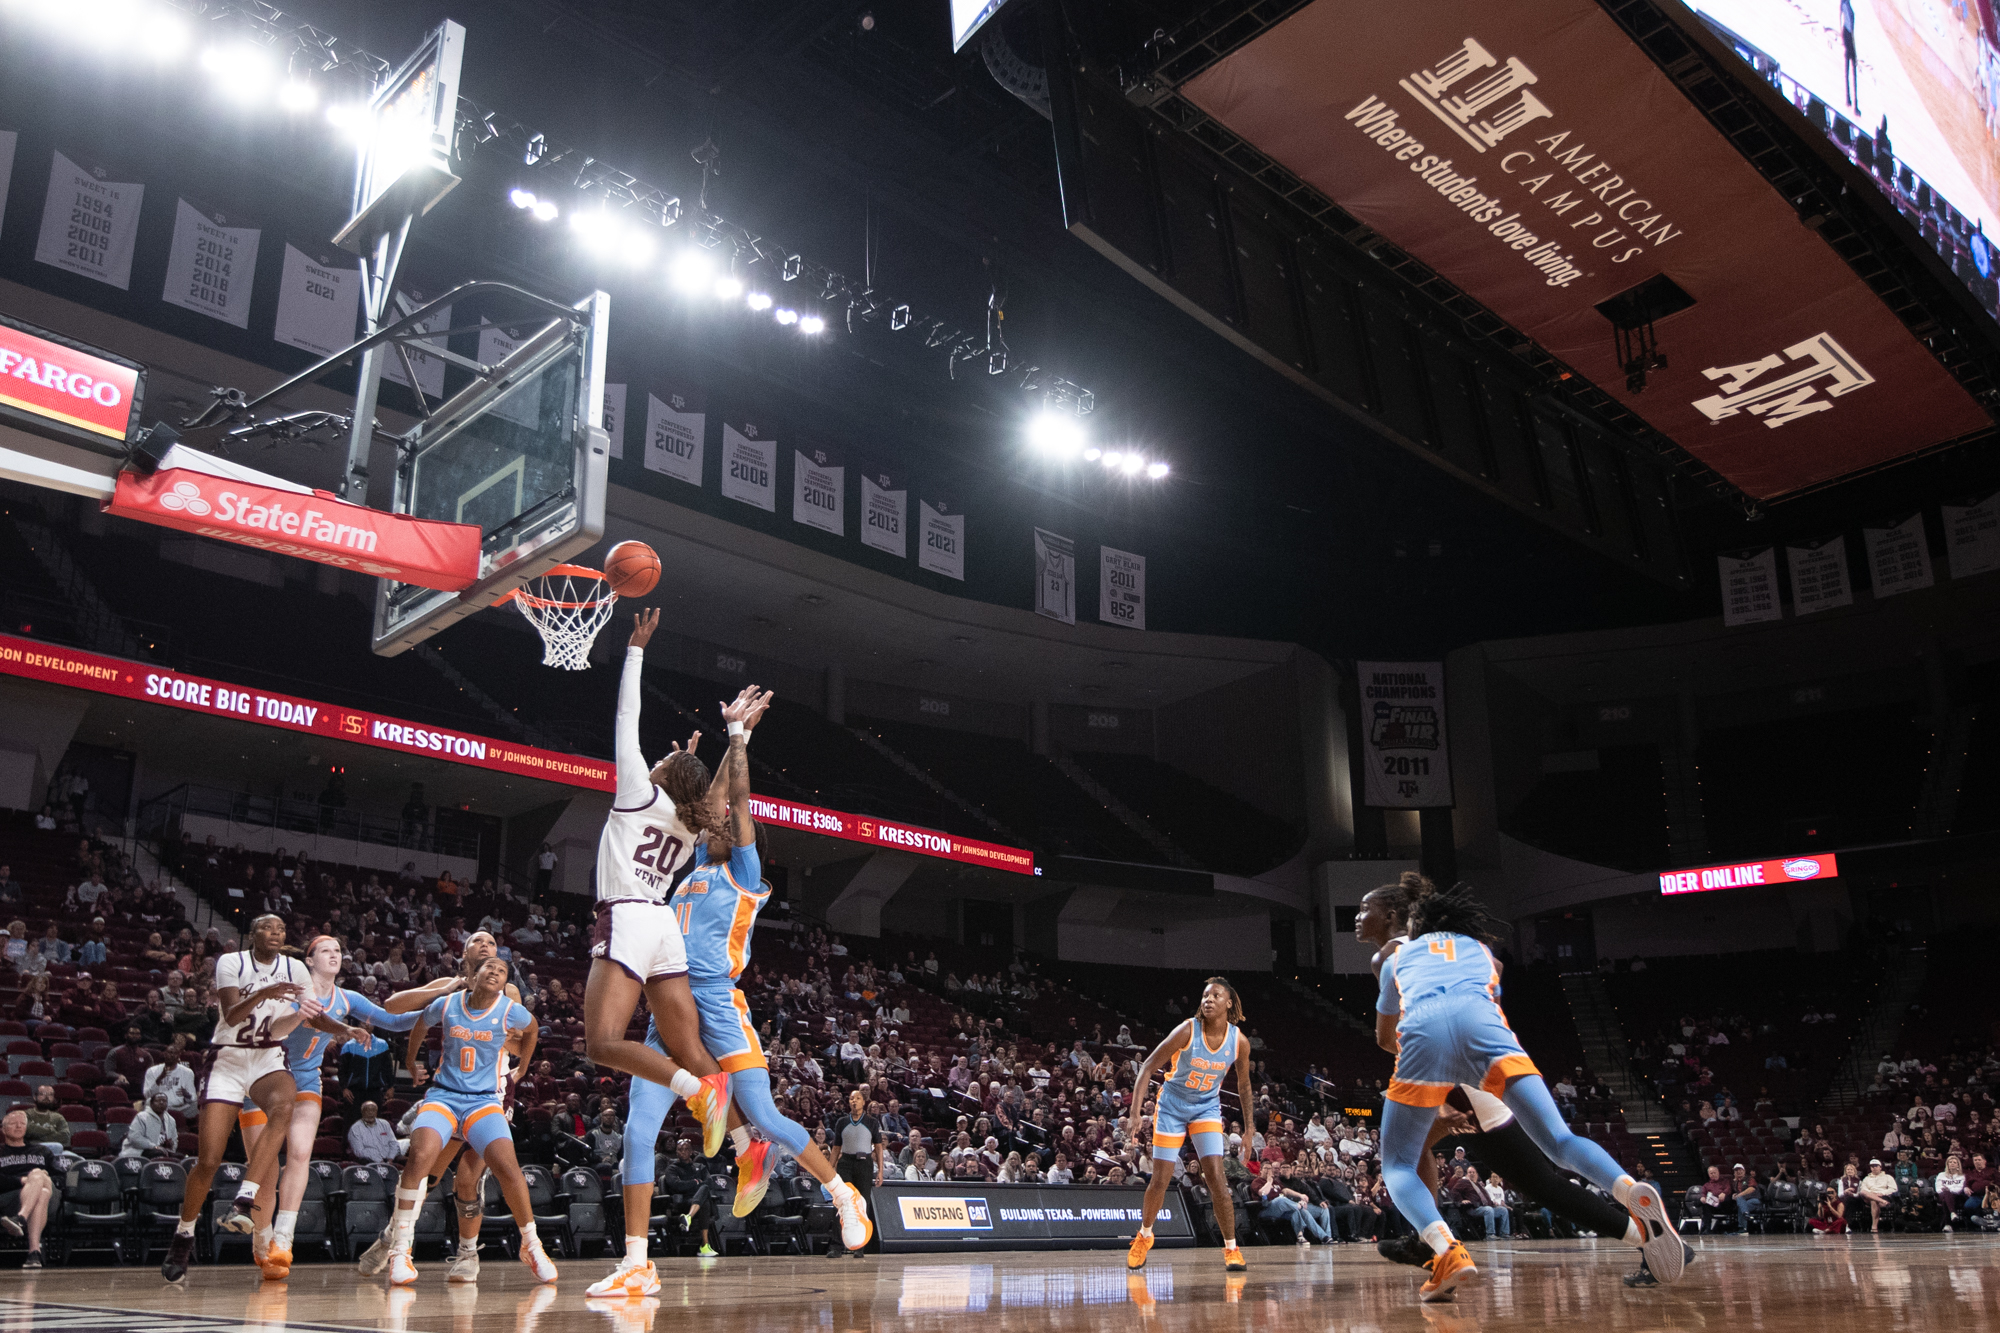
(1174, 1122)
(1461, 1039)
(726, 1028)
(476, 1117)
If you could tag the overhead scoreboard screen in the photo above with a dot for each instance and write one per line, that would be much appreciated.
(1909, 90)
(968, 17)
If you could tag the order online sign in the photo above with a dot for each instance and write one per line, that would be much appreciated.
(1791, 869)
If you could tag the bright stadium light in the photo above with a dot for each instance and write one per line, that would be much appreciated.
(1092, 454)
(812, 324)
(1130, 464)
(241, 72)
(298, 95)
(1112, 458)
(1156, 470)
(692, 271)
(163, 37)
(758, 301)
(635, 247)
(787, 316)
(728, 287)
(350, 119)
(1056, 435)
(522, 199)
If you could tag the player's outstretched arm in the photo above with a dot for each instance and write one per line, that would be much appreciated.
(748, 710)
(417, 999)
(367, 1011)
(635, 777)
(413, 1055)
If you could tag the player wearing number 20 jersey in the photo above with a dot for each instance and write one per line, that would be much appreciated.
(248, 1051)
(643, 844)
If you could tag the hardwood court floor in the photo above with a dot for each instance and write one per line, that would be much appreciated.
(1786, 1284)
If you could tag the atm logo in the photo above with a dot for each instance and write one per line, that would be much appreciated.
(1817, 363)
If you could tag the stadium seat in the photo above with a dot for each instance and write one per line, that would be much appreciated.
(20, 1052)
(322, 1198)
(157, 1206)
(92, 1215)
(369, 1193)
(90, 1143)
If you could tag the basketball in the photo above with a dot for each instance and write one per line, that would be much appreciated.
(633, 569)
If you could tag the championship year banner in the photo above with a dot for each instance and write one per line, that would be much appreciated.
(1899, 557)
(319, 301)
(1972, 536)
(1121, 588)
(970, 1215)
(149, 683)
(892, 834)
(1403, 742)
(430, 369)
(676, 437)
(885, 500)
(942, 539)
(750, 466)
(819, 490)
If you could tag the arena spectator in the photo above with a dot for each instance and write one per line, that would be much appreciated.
(95, 947)
(1748, 1196)
(27, 1182)
(373, 1139)
(1878, 1191)
(52, 947)
(45, 1121)
(366, 1070)
(172, 1079)
(153, 1132)
(37, 1004)
(607, 1140)
(1495, 1214)
(128, 1061)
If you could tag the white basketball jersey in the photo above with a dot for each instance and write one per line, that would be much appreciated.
(242, 970)
(641, 849)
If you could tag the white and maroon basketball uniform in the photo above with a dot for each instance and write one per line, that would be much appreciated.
(248, 1051)
(643, 844)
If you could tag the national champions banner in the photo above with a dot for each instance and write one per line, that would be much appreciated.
(1403, 736)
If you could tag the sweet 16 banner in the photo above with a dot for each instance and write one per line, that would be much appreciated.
(1403, 738)
(89, 224)
(210, 265)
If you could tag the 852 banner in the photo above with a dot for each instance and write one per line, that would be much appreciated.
(1403, 736)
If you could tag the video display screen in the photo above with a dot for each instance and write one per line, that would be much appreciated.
(1909, 90)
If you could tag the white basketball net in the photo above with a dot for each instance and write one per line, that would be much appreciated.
(567, 606)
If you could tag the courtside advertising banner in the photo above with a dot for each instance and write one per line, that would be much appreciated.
(55, 388)
(1536, 156)
(148, 683)
(210, 265)
(889, 833)
(90, 224)
(969, 1215)
(319, 302)
(1787, 870)
(885, 506)
(676, 436)
(750, 465)
(213, 497)
(1403, 738)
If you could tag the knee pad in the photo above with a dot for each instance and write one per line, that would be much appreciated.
(468, 1208)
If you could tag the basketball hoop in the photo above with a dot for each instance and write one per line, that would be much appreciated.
(567, 605)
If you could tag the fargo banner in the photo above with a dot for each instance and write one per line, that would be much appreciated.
(1403, 736)
(969, 1215)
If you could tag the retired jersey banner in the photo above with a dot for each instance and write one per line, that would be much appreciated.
(89, 224)
(819, 490)
(1403, 737)
(150, 683)
(1972, 537)
(1787, 870)
(750, 466)
(214, 497)
(1055, 577)
(1749, 587)
(885, 502)
(210, 265)
(430, 369)
(676, 438)
(319, 301)
(1899, 558)
(614, 418)
(892, 834)
(1819, 576)
(1121, 588)
(1535, 155)
(941, 547)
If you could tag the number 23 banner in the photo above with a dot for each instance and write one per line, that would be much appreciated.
(1403, 736)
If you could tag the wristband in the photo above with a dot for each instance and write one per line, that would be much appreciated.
(736, 729)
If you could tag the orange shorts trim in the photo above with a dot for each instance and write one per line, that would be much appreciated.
(1418, 1094)
(1504, 1068)
(251, 1119)
(475, 1118)
(1204, 1127)
(741, 1060)
(444, 1111)
(1168, 1140)
(312, 1097)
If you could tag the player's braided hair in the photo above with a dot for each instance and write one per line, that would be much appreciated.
(684, 778)
(1235, 1000)
(1397, 897)
(1452, 911)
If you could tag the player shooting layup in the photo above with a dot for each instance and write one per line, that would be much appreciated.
(636, 945)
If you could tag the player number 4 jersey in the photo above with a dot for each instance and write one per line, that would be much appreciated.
(242, 970)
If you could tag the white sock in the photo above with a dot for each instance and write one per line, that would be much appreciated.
(1633, 1236)
(246, 1190)
(264, 1234)
(740, 1136)
(684, 1083)
(1147, 1232)
(528, 1236)
(184, 1229)
(1622, 1191)
(282, 1227)
(635, 1249)
(1438, 1236)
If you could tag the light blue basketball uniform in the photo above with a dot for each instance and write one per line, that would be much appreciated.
(306, 1046)
(1451, 1029)
(464, 1096)
(716, 908)
(1191, 1096)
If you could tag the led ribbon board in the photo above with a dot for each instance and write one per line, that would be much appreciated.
(63, 390)
(889, 833)
(1790, 869)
